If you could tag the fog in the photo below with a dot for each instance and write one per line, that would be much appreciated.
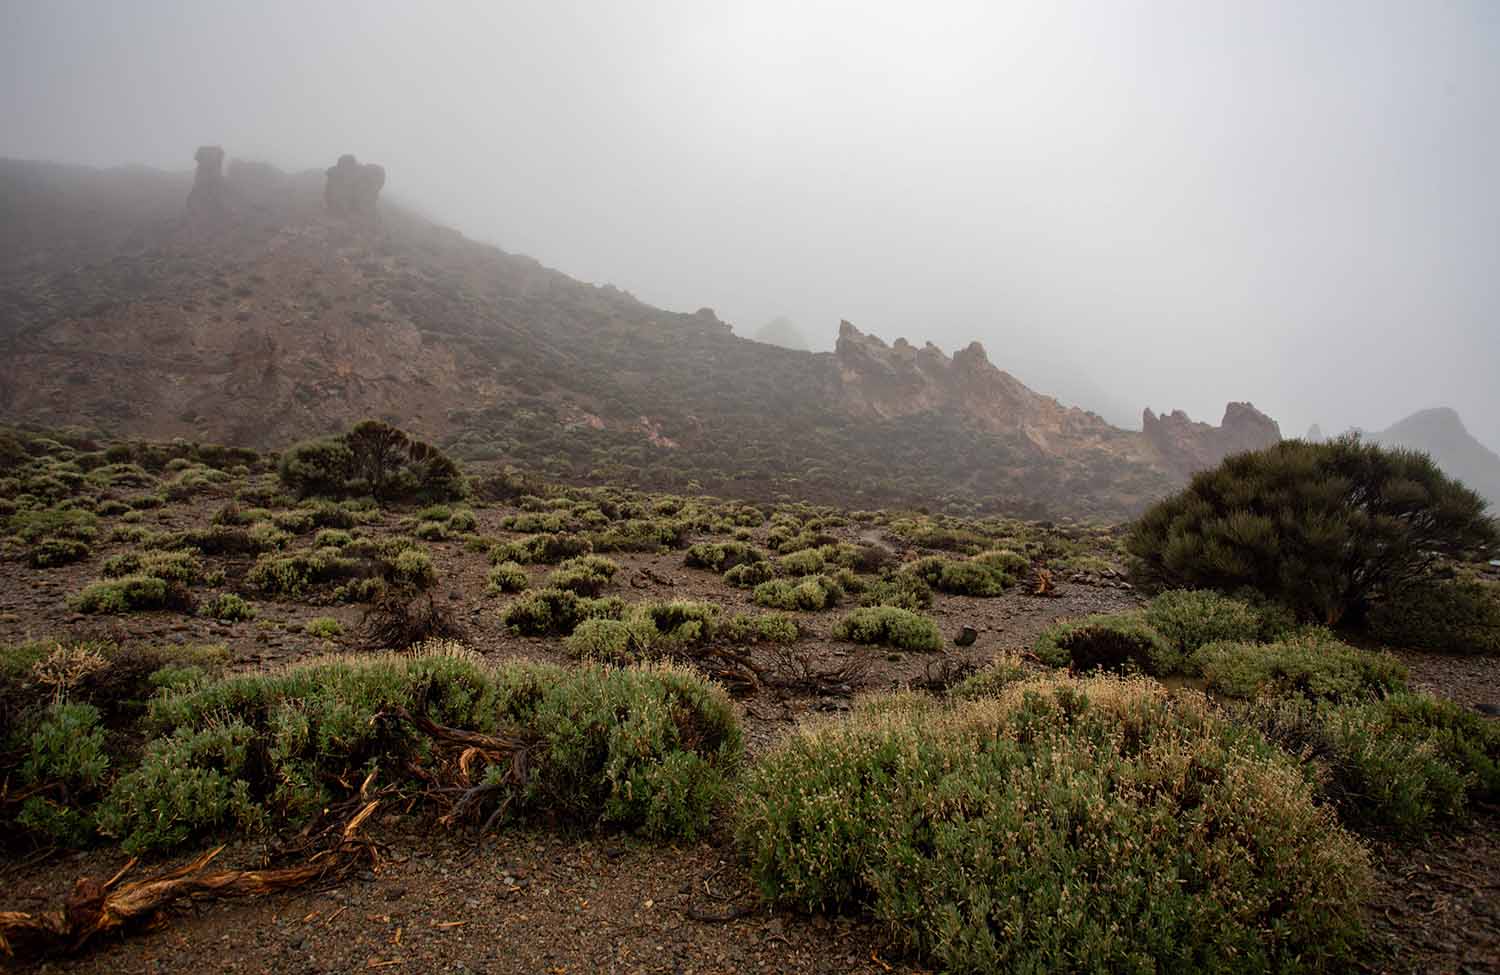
(1170, 204)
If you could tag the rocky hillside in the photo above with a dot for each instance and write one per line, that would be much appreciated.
(257, 307)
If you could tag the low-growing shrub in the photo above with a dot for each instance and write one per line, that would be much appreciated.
(646, 631)
(555, 612)
(508, 577)
(721, 556)
(891, 627)
(130, 594)
(323, 627)
(1313, 665)
(762, 628)
(1120, 641)
(640, 749)
(991, 679)
(51, 552)
(900, 589)
(809, 593)
(227, 607)
(1398, 766)
(748, 575)
(1190, 618)
(1441, 615)
(805, 562)
(173, 565)
(1058, 825)
(62, 774)
(642, 535)
(546, 549)
(587, 575)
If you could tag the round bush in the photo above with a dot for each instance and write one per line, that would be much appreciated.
(891, 627)
(1114, 642)
(1062, 825)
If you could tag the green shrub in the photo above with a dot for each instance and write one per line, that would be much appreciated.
(1060, 825)
(806, 562)
(63, 770)
(809, 593)
(763, 628)
(547, 549)
(50, 552)
(641, 749)
(332, 538)
(555, 612)
(891, 627)
(293, 575)
(1190, 618)
(323, 627)
(990, 680)
(129, 594)
(586, 575)
(1401, 765)
(430, 531)
(980, 576)
(226, 607)
(1327, 529)
(900, 589)
(642, 535)
(1312, 665)
(1443, 616)
(1120, 641)
(173, 565)
(32, 527)
(373, 458)
(721, 556)
(508, 577)
(462, 521)
(748, 575)
(647, 631)
(413, 568)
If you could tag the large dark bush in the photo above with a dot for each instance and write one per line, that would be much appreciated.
(373, 458)
(1327, 529)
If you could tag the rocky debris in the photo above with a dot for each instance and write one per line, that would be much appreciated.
(353, 188)
(1186, 445)
(966, 637)
(207, 197)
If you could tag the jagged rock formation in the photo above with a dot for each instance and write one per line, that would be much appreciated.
(902, 380)
(1186, 445)
(208, 197)
(353, 189)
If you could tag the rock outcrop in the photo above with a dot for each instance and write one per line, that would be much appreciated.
(900, 380)
(353, 189)
(208, 197)
(1186, 445)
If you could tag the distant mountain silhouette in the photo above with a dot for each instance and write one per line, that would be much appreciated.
(1441, 434)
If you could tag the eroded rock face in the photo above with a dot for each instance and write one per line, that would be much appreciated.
(1187, 445)
(353, 189)
(901, 379)
(207, 196)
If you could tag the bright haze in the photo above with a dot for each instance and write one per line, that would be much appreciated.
(1165, 204)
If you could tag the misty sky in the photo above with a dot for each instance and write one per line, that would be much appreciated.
(1170, 204)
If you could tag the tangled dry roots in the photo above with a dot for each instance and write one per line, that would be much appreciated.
(95, 908)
